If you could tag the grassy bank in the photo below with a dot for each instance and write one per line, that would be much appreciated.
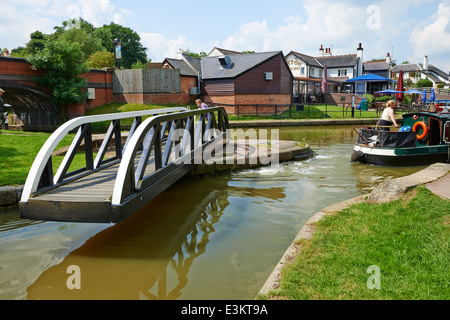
(408, 240)
(321, 111)
(18, 151)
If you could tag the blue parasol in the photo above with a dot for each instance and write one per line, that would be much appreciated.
(424, 96)
(389, 91)
(432, 95)
(414, 91)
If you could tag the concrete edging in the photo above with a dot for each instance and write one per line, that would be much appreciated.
(389, 190)
(10, 195)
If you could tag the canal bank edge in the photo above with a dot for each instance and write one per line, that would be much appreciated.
(287, 151)
(436, 178)
(305, 123)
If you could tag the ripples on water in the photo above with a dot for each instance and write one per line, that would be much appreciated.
(217, 237)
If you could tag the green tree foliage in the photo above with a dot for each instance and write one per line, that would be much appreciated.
(36, 43)
(132, 49)
(424, 83)
(190, 53)
(101, 59)
(63, 63)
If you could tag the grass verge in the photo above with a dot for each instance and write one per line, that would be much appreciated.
(407, 239)
(321, 111)
(18, 151)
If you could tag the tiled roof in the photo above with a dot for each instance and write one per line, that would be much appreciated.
(185, 68)
(308, 59)
(224, 52)
(211, 68)
(338, 61)
(331, 61)
(375, 65)
(407, 67)
(414, 67)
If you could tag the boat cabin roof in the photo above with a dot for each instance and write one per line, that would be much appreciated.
(441, 115)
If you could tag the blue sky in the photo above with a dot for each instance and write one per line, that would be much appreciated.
(407, 29)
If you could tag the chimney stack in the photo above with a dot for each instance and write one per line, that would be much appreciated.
(359, 54)
(388, 58)
(425, 63)
(359, 51)
(180, 54)
(321, 51)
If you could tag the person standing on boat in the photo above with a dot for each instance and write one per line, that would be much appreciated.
(387, 117)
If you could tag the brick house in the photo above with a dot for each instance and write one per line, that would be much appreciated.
(240, 82)
(308, 71)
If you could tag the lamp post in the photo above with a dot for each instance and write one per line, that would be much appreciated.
(117, 51)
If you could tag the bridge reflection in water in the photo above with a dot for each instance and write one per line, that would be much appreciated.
(149, 256)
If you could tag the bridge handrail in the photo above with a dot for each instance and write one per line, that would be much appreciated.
(150, 133)
(44, 155)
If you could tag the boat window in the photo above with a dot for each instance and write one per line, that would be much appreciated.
(434, 132)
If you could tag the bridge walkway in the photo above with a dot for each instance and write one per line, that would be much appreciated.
(152, 159)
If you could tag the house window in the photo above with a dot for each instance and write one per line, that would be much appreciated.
(320, 73)
(311, 72)
(302, 71)
(342, 72)
(268, 75)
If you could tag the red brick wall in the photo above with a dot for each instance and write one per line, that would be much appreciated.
(19, 70)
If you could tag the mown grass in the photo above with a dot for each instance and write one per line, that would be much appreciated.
(322, 111)
(114, 107)
(18, 151)
(408, 240)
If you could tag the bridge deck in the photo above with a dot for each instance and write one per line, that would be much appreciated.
(87, 199)
(96, 187)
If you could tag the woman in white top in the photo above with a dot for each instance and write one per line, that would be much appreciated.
(387, 117)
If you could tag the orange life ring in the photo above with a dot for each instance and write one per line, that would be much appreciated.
(424, 128)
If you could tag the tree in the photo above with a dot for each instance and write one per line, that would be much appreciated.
(101, 59)
(80, 31)
(63, 63)
(89, 43)
(36, 43)
(132, 49)
(424, 83)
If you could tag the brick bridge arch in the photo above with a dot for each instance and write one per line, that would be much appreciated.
(33, 107)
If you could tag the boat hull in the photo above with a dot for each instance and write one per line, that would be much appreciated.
(400, 157)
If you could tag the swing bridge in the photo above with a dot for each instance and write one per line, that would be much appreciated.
(161, 147)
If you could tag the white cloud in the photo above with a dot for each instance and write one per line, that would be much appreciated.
(433, 39)
(326, 23)
(99, 12)
(159, 47)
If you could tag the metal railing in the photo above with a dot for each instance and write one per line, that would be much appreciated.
(299, 111)
(40, 177)
(185, 134)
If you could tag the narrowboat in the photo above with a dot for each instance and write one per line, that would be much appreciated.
(423, 139)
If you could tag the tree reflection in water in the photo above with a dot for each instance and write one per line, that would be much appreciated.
(150, 255)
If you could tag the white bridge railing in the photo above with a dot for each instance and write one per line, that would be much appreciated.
(171, 142)
(41, 178)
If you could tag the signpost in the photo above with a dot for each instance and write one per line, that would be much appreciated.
(117, 51)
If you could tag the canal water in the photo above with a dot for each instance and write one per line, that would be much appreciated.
(215, 237)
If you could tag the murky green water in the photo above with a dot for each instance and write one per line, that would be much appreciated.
(217, 237)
